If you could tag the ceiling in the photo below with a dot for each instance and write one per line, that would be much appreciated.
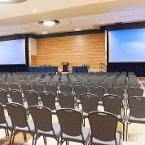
(72, 14)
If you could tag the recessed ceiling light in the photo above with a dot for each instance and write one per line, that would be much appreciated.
(78, 29)
(11, 1)
(44, 32)
(49, 22)
(34, 11)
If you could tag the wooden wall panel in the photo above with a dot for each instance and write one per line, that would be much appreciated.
(77, 50)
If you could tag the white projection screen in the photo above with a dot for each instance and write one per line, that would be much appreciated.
(126, 46)
(12, 52)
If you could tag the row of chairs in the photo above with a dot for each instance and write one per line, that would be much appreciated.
(103, 125)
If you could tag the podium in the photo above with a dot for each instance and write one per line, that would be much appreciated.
(65, 66)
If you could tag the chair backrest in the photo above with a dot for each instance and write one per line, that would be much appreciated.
(137, 106)
(25, 87)
(51, 88)
(48, 100)
(13, 86)
(18, 115)
(37, 87)
(79, 90)
(2, 115)
(42, 118)
(16, 96)
(4, 86)
(103, 126)
(99, 91)
(66, 100)
(135, 92)
(116, 91)
(65, 89)
(112, 104)
(70, 122)
(89, 102)
(3, 97)
(31, 97)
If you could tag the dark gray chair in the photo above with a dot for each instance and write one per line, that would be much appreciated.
(51, 88)
(4, 86)
(13, 86)
(137, 111)
(113, 104)
(3, 97)
(71, 126)
(89, 103)
(78, 91)
(5, 122)
(65, 89)
(99, 91)
(134, 92)
(103, 129)
(25, 87)
(20, 123)
(42, 118)
(66, 100)
(116, 91)
(31, 97)
(16, 96)
(37, 88)
(48, 100)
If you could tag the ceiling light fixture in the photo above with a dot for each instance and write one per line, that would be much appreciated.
(49, 22)
(11, 1)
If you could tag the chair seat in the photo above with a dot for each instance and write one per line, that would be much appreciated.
(97, 141)
(136, 120)
(56, 128)
(85, 133)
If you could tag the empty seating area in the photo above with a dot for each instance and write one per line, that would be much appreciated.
(67, 96)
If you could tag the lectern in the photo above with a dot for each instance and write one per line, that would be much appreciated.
(65, 66)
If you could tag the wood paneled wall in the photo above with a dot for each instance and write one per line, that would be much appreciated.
(77, 50)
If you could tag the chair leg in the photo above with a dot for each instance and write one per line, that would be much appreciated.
(13, 138)
(7, 132)
(33, 139)
(67, 142)
(45, 140)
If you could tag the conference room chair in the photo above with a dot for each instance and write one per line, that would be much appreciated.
(37, 88)
(89, 103)
(5, 122)
(42, 118)
(51, 88)
(3, 97)
(116, 91)
(31, 97)
(135, 92)
(20, 123)
(25, 87)
(16, 96)
(13, 86)
(78, 91)
(113, 104)
(71, 126)
(136, 111)
(4, 86)
(66, 100)
(99, 91)
(48, 100)
(104, 129)
(65, 88)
